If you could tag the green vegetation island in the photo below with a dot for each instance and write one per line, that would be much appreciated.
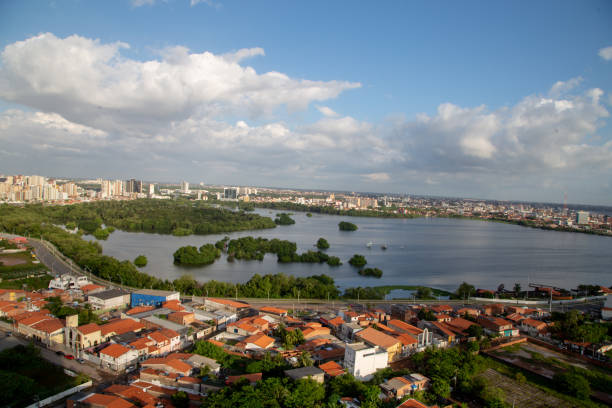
(375, 272)
(347, 226)
(284, 219)
(178, 217)
(358, 261)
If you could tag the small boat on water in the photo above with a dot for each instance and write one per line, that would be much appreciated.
(369, 244)
(383, 247)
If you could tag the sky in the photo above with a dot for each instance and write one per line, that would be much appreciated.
(480, 99)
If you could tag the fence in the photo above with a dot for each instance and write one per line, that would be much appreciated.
(61, 395)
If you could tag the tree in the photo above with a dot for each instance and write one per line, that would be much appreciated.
(140, 261)
(180, 399)
(358, 261)
(426, 314)
(572, 384)
(423, 292)
(475, 330)
(465, 290)
(322, 243)
(517, 289)
(305, 360)
(347, 226)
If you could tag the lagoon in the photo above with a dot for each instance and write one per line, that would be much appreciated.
(435, 252)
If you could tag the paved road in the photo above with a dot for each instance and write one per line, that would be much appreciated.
(98, 376)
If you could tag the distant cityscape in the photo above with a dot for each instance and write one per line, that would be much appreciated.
(17, 189)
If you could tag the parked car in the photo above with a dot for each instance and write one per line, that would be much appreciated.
(59, 353)
(80, 360)
(69, 356)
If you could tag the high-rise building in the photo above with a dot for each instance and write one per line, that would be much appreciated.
(230, 193)
(185, 187)
(133, 186)
(582, 217)
(151, 189)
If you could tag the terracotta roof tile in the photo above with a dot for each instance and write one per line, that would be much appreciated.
(115, 350)
(377, 338)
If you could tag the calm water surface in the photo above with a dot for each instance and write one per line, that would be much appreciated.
(435, 252)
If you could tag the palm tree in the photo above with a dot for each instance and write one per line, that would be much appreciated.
(517, 288)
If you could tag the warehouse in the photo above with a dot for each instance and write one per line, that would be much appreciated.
(152, 297)
(109, 299)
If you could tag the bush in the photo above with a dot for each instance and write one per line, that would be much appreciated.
(140, 261)
(347, 226)
(375, 272)
(322, 243)
(358, 261)
(572, 384)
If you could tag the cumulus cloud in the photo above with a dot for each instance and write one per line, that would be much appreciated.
(89, 82)
(201, 113)
(606, 53)
(561, 87)
(326, 111)
(140, 3)
(377, 176)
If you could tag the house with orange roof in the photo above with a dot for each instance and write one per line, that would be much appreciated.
(412, 403)
(11, 294)
(273, 311)
(313, 332)
(441, 309)
(245, 327)
(118, 357)
(48, 331)
(423, 336)
(375, 338)
(174, 305)
(120, 326)
(334, 324)
(409, 343)
(132, 394)
(85, 336)
(183, 318)
(497, 325)
(443, 330)
(532, 327)
(96, 400)
(258, 342)
(251, 378)
(230, 305)
(91, 288)
(332, 369)
(470, 311)
(139, 309)
(169, 365)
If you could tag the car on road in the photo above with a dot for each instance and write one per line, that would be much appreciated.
(59, 353)
(69, 356)
(80, 360)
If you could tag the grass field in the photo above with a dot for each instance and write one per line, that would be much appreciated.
(523, 395)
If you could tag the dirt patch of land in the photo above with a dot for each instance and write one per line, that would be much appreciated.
(11, 261)
(523, 395)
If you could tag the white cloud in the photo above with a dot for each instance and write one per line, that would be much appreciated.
(606, 53)
(379, 177)
(562, 87)
(326, 111)
(96, 109)
(140, 3)
(88, 82)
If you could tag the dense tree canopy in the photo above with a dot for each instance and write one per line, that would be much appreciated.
(190, 255)
(375, 272)
(358, 261)
(347, 226)
(140, 261)
(322, 243)
(284, 219)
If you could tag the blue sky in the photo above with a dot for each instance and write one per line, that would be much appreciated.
(444, 98)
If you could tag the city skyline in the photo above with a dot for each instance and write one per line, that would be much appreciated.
(497, 102)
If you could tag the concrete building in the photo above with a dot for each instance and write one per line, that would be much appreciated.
(362, 361)
(118, 357)
(109, 299)
(376, 338)
(582, 217)
(606, 310)
(312, 373)
(153, 297)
